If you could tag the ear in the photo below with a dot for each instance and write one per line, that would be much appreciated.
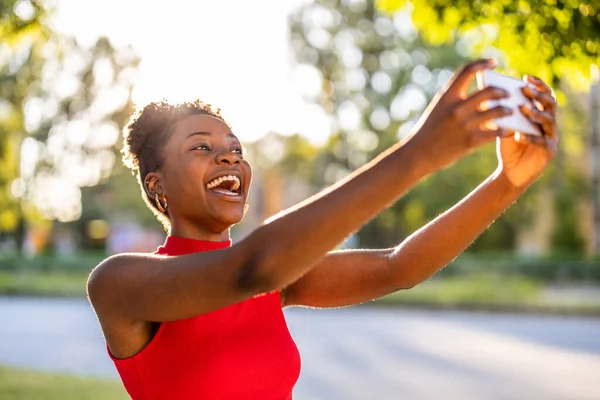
(152, 184)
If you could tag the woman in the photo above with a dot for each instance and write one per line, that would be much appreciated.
(202, 319)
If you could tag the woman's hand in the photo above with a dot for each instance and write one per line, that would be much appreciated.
(454, 123)
(523, 158)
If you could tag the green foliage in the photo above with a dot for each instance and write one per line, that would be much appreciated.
(567, 178)
(52, 284)
(118, 198)
(23, 35)
(357, 51)
(479, 290)
(21, 21)
(292, 154)
(65, 105)
(553, 39)
(90, 110)
(565, 268)
(82, 262)
(47, 275)
(566, 235)
(364, 50)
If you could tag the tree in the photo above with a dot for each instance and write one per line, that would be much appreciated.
(553, 39)
(23, 35)
(77, 143)
(66, 106)
(377, 77)
(283, 175)
(377, 74)
(89, 101)
(557, 40)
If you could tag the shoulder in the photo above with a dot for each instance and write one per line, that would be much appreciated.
(105, 287)
(110, 271)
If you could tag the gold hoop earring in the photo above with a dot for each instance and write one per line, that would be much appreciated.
(159, 205)
(246, 208)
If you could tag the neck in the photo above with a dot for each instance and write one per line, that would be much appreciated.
(195, 232)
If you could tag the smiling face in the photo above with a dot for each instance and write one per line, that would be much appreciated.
(204, 177)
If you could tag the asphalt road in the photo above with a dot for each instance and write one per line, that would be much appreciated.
(360, 353)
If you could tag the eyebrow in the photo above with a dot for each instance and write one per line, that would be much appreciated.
(231, 135)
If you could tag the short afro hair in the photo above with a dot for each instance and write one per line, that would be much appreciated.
(145, 136)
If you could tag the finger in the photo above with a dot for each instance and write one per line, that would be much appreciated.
(547, 101)
(540, 117)
(488, 93)
(540, 141)
(462, 80)
(539, 84)
(482, 117)
(543, 118)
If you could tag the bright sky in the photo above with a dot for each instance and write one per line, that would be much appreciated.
(233, 54)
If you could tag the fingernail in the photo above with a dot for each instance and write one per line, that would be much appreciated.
(519, 137)
(529, 78)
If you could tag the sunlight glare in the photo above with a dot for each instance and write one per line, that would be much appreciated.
(233, 54)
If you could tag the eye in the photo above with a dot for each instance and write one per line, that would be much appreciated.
(238, 150)
(204, 147)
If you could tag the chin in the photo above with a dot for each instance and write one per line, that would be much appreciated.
(231, 217)
(234, 221)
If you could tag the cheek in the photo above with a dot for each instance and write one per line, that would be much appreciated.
(188, 179)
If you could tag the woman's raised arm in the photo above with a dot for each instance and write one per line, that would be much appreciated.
(158, 288)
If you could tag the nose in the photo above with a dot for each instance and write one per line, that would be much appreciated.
(227, 157)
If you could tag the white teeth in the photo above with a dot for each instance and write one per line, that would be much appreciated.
(216, 182)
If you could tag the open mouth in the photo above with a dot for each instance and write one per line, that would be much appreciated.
(228, 185)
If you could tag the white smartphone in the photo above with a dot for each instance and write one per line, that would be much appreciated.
(517, 122)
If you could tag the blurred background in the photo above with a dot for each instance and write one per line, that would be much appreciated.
(314, 89)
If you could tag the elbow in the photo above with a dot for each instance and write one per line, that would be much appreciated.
(401, 278)
(406, 281)
(405, 284)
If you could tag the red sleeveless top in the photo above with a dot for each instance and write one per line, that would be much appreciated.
(243, 351)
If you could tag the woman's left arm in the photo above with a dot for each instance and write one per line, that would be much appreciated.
(344, 278)
(350, 277)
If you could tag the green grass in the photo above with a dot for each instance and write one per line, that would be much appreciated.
(469, 290)
(38, 283)
(486, 292)
(20, 384)
(473, 290)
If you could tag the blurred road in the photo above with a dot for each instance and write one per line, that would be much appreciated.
(360, 353)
